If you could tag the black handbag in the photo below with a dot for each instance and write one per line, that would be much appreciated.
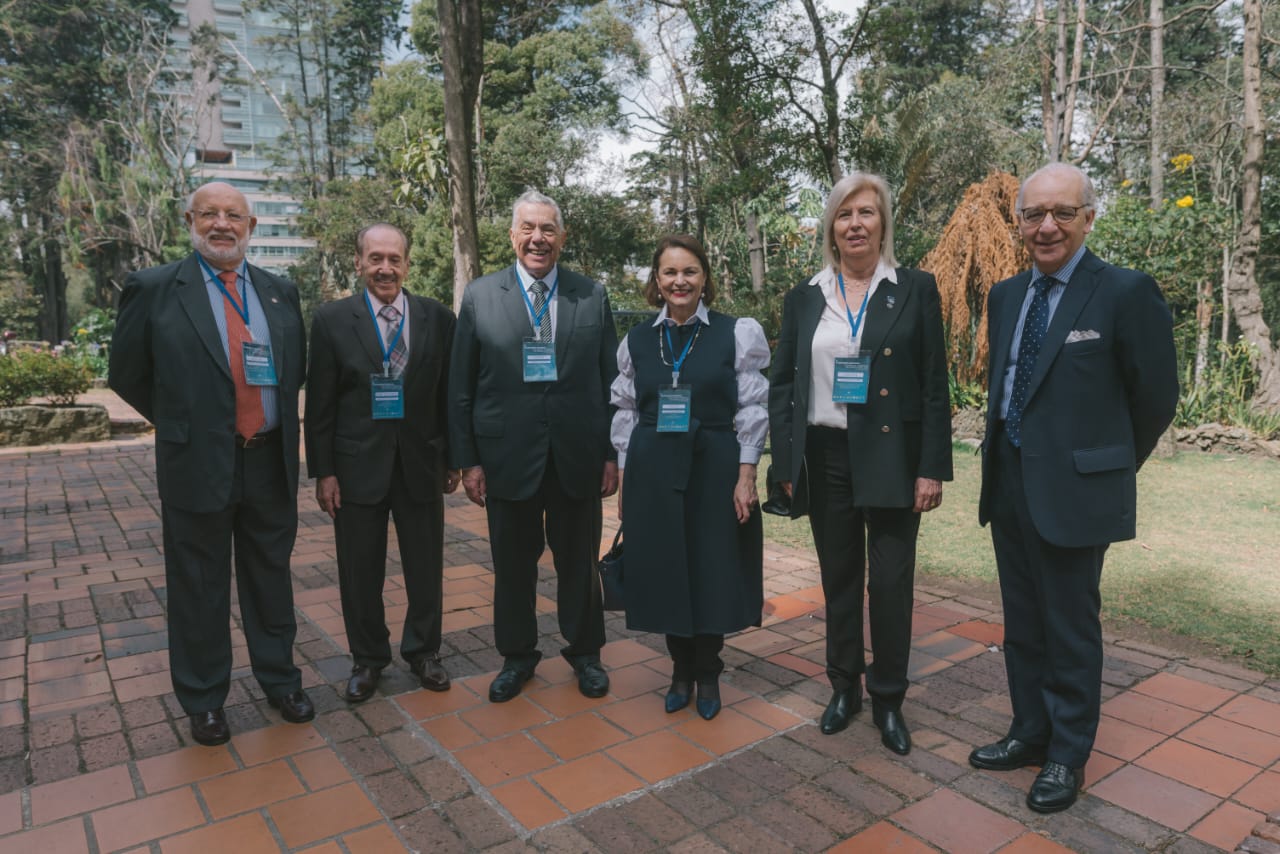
(610, 568)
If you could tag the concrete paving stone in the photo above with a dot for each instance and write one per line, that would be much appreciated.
(426, 830)
(54, 763)
(13, 774)
(731, 787)
(610, 831)
(104, 751)
(564, 839)
(692, 799)
(741, 834)
(860, 792)
(833, 813)
(99, 720)
(655, 819)
(154, 739)
(341, 725)
(789, 753)
(477, 822)
(440, 780)
(395, 793)
(47, 732)
(365, 756)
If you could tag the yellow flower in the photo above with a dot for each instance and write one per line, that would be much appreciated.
(1185, 202)
(1182, 161)
(82, 331)
(1125, 183)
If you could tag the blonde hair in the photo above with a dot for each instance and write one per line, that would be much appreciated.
(856, 182)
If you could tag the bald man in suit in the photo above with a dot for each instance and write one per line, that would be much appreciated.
(1083, 382)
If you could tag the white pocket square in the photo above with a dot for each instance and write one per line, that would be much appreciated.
(1082, 335)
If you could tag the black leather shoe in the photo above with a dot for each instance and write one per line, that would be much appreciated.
(893, 729)
(593, 682)
(362, 683)
(843, 706)
(1007, 754)
(295, 708)
(431, 673)
(210, 728)
(678, 695)
(708, 699)
(507, 684)
(1055, 788)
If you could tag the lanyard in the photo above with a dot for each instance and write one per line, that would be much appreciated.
(688, 346)
(387, 349)
(854, 325)
(244, 296)
(546, 305)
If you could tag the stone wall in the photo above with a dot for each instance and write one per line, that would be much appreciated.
(22, 426)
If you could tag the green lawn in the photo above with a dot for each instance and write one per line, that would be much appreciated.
(1205, 564)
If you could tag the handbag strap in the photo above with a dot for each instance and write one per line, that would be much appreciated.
(616, 538)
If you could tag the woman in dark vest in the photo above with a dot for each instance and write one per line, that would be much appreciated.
(689, 431)
(861, 424)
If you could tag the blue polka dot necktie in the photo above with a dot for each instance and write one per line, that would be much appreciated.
(1033, 330)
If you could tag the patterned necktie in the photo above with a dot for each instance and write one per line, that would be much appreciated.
(539, 302)
(250, 416)
(399, 353)
(1033, 330)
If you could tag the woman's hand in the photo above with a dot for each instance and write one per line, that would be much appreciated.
(744, 494)
(928, 494)
(786, 487)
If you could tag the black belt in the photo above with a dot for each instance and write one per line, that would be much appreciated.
(258, 439)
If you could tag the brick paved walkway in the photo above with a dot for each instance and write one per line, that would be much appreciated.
(95, 755)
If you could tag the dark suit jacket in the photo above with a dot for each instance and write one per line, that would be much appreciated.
(903, 431)
(1095, 408)
(342, 437)
(508, 426)
(168, 362)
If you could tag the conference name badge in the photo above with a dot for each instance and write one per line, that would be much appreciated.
(852, 377)
(674, 406)
(388, 397)
(259, 367)
(539, 361)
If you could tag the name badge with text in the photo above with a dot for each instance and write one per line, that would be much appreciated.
(674, 407)
(539, 361)
(853, 376)
(259, 367)
(388, 397)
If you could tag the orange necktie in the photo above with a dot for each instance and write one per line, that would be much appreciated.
(249, 414)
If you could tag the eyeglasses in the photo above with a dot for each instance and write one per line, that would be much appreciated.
(210, 216)
(1062, 214)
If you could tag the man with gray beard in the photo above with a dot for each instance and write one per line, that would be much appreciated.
(212, 352)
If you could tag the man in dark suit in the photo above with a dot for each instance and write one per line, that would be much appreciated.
(377, 445)
(535, 353)
(1083, 382)
(211, 351)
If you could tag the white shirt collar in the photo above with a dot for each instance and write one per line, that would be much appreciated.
(399, 302)
(526, 278)
(827, 276)
(700, 314)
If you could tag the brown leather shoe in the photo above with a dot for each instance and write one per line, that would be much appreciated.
(431, 673)
(210, 728)
(362, 683)
(295, 707)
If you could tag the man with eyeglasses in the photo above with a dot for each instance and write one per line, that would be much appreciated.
(1083, 381)
(212, 352)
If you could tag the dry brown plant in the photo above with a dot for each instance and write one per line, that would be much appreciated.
(979, 247)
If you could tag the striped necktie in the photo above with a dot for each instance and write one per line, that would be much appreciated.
(539, 289)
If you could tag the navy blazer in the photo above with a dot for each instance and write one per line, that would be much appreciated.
(903, 431)
(168, 362)
(342, 437)
(510, 427)
(1104, 389)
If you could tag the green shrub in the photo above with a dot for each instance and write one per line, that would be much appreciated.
(25, 374)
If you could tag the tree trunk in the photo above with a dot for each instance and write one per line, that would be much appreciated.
(1242, 285)
(1157, 112)
(1204, 320)
(755, 250)
(1071, 84)
(462, 55)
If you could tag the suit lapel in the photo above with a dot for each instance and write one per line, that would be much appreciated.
(1005, 324)
(418, 342)
(568, 296)
(194, 297)
(810, 313)
(366, 330)
(270, 298)
(513, 304)
(1078, 292)
(884, 308)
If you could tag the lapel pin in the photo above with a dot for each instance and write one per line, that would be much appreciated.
(889, 301)
(275, 299)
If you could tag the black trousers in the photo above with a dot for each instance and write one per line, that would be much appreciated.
(695, 658)
(261, 520)
(875, 545)
(1052, 629)
(360, 532)
(518, 533)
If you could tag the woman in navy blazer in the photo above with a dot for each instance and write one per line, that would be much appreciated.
(861, 424)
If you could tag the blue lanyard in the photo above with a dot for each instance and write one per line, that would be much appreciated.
(387, 350)
(854, 325)
(688, 345)
(244, 296)
(546, 306)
